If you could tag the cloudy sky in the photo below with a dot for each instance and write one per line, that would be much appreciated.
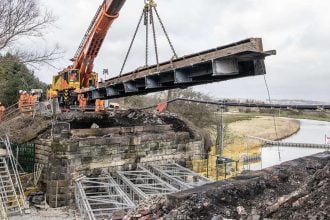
(298, 29)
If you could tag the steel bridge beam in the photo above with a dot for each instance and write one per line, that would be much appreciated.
(237, 60)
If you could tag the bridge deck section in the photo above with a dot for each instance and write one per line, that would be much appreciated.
(237, 60)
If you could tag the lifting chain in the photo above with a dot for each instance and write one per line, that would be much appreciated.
(166, 34)
(131, 44)
(150, 7)
(154, 35)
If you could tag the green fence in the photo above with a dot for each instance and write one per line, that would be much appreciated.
(25, 154)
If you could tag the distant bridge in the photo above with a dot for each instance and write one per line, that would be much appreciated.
(290, 144)
(248, 105)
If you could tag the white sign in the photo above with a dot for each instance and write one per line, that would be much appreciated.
(327, 139)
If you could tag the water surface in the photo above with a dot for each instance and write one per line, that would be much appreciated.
(310, 132)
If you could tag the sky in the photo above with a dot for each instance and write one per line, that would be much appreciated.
(298, 29)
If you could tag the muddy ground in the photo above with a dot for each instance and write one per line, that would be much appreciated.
(298, 189)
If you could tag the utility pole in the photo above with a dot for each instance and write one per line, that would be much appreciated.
(220, 132)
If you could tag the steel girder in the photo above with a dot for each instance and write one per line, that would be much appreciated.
(237, 60)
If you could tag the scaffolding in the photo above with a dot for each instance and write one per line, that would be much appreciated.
(178, 176)
(12, 198)
(97, 198)
(141, 184)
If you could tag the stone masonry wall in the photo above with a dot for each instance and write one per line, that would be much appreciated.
(91, 151)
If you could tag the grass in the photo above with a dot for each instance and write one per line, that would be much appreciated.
(319, 116)
(239, 126)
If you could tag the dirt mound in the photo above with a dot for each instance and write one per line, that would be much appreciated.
(25, 128)
(296, 189)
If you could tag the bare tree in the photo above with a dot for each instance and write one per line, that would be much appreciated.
(23, 18)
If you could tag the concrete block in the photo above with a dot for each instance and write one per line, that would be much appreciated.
(162, 128)
(118, 140)
(135, 140)
(138, 129)
(125, 130)
(182, 137)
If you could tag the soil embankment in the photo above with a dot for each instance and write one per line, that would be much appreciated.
(25, 128)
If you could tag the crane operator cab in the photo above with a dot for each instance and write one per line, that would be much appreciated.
(66, 83)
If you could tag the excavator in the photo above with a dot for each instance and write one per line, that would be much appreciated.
(68, 84)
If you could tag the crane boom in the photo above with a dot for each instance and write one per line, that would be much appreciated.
(94, 37)
(80, 74)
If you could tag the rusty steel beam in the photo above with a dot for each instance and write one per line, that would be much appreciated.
(237, 60)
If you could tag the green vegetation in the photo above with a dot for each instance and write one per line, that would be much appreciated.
(15, 76)
(230, 118)
(200, 115)
(319, 116)
(311, 115)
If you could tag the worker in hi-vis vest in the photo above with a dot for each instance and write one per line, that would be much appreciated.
(2, 111)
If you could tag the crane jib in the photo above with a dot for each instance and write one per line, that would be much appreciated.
(80, 74)
(115, 6)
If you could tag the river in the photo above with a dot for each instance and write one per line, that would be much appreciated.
(310, 132)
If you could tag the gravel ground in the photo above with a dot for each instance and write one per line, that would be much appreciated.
(48, 214)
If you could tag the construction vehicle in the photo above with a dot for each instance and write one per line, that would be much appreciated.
(68, 83)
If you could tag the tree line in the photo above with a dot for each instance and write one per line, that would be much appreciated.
(22, 20)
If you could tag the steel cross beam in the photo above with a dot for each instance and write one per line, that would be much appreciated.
(141, 184)
(97, 198)
(237, 60)
(178, 176)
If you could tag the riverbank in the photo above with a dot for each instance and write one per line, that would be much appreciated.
(238, 145)
(309, 115)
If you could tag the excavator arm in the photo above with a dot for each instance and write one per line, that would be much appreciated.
(93, 39)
